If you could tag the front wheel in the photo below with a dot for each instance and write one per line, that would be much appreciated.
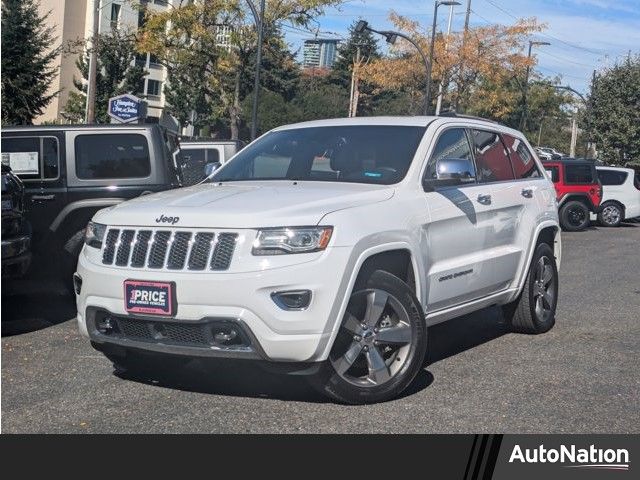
(611, 215)
(380, 346)
(535, 309)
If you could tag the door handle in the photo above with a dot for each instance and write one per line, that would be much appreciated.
(43, 197)
(527, 192)
(484, 199)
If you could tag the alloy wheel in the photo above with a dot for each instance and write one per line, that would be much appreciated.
(576, 216)
(611, 214)
(374, 340)
(544, 289)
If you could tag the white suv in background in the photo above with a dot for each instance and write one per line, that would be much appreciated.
(620, 195)
(328, 248)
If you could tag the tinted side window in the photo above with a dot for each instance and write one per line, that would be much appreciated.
(611, 177)
(213, 155)
(492, 160)
(452, 143)
(106, 156)
(522, 160)
(578, 174)
(50, 157)
(553, 173)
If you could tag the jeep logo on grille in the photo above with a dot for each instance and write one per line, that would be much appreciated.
(171, 220)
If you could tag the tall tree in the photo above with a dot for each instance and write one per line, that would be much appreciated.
(204, 73)
(614, 114)
(116, 73)
(28, 48)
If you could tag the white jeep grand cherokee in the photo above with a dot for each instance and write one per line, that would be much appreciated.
(329, 247)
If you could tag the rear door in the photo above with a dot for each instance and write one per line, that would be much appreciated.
(37, 157)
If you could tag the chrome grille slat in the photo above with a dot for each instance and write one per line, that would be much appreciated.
(178, 250)
(223, 251)
(159, 249)
(124, 247)
(199, 256)
(110, 246)
(140, 248)
(173, 250)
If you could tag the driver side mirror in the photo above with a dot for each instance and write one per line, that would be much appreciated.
(451, 172)
(209, 168)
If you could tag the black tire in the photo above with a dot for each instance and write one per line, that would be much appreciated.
(574, 216)
(611, 214)
(524, 315)
(395, 334)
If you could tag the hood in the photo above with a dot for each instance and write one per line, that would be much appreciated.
(243, 204)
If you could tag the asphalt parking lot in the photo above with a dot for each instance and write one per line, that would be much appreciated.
(581, 377)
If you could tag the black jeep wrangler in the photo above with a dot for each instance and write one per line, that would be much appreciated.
(72, 171)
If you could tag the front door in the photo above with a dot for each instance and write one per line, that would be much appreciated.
(458, 236)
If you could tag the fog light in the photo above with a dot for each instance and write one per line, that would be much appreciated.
(77, 283)
(105, 325)
(292, 300)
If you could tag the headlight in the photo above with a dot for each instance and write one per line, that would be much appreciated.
(95, 234)
(278, 241)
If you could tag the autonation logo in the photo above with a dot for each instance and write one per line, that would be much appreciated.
(574, 457)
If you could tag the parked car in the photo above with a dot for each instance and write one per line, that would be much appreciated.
(71, 172)
(578, 191)
(620, 195)
(327, 248)
(196, 154)
(551, 153)
(16, 231)
(542, 155)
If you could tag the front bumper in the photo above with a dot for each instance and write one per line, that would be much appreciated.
(16, 256)
(243, 298)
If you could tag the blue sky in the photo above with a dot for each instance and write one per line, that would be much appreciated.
(585, 35)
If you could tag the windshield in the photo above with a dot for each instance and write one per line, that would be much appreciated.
(361, 154)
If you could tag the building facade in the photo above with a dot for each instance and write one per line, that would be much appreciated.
(73, 20)
(319, 53)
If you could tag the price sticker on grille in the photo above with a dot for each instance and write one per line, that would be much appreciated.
(151, 298)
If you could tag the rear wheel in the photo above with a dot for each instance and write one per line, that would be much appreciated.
(611, 215)
(574, 216)
(535, 309)
(380, 346)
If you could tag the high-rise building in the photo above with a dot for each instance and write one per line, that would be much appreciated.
(319, 53)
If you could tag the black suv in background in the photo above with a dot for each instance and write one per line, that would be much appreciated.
(70, 172)
(16, 231)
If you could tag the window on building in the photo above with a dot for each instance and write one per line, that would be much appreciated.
(492, 160)
(154, 87)
(115, 14)
(452, 143)
(141, 59)
(154, 60)
(109, 156)
(524, 166)
(140, 87)
(142, 16)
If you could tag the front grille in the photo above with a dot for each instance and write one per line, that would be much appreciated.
(166, 249)
(172, 332)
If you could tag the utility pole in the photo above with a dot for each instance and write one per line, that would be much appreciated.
(258, 18)
(90, 116)
(355, 93)
(574, 134)
(525, 89)
(441, 86)
(466, 17)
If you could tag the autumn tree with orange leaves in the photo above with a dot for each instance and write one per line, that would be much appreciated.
(475, 68)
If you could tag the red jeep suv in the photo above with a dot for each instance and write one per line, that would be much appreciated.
(578, 190)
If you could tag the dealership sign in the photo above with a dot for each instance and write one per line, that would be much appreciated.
(127, 108)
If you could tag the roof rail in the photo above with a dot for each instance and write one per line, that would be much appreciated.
(454, 114)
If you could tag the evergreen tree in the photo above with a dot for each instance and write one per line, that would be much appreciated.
(614, 114)
(26, 57)
(117, 73)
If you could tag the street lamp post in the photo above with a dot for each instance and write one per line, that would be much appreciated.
(258, 18)
(431, 48)
(523, 118)
(391, 37)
